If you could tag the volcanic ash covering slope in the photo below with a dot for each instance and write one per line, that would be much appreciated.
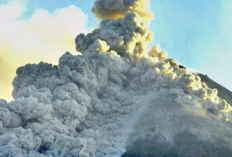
(114, 97)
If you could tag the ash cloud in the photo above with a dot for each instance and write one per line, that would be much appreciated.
(113, 9)
(89, 104)
(125, 36)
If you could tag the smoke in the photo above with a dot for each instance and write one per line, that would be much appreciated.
(125, 36)
(114, 9)
(43, 36)
(87, 104)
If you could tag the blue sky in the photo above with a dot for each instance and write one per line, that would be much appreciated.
(52, 5)
(196, 33)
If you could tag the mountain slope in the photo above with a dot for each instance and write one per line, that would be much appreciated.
(222, 91)
(166, 130)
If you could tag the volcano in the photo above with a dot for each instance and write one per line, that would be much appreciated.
(117, 97)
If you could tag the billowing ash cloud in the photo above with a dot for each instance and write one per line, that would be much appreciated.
(113, 9)
(126, 36)
(99, 103)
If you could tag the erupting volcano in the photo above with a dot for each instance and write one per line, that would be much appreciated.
(118, 98)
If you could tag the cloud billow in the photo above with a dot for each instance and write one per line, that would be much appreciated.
(112, 98)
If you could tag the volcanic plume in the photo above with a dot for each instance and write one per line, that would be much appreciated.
(117, 96)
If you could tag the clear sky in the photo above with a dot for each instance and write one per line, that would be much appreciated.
(197, 33)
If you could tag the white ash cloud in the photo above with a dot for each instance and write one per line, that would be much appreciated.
(83, 106)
